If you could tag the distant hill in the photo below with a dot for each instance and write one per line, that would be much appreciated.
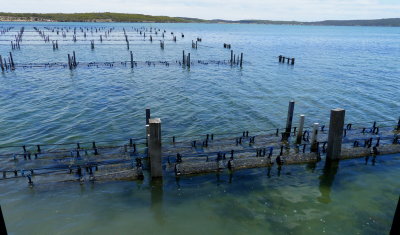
(88, 17)
(121, 17)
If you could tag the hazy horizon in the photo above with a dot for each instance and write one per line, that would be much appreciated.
(296, 10)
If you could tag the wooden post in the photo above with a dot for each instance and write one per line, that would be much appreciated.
(131, 59)
(335, 134)
(1, 64)
(69, 61)
(3, 228)
(147, 116)
(289, 120)
(396, 220)
(300, 130)
(314, 138)
(183, 58)
(241, 60)
(154, 150)
(12, 61)
(188, 60)
(147, 125)
(231, 57)
(74, 58)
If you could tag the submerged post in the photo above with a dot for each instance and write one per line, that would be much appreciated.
(154, 150)
(289, 120)
(335, 134)
(300, 130)
(314, 138)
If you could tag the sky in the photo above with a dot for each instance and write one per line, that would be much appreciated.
(300, 10)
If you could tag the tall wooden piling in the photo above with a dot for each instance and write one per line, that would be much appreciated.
(1, 64)
(183, 58)
(335, 134)
(396, 220)
(131, 59)
(69, 61)
(148, 116)
(231, 57)
(74, 59)
(3, 228)
(314, 138)
(188, 60)
(289, 120)
(398, 123)
(154, 150)
(12, 61)
(300, 129)
(241, 60)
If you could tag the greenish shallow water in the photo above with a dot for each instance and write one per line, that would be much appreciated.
(355, 198)
(356, 68)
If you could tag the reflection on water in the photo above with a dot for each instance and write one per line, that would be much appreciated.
(156, 188)
(326, 180)
(293, 199)
(54, 106)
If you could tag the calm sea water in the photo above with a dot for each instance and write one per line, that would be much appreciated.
(355, 68)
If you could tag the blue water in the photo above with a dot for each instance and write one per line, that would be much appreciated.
(355, 68)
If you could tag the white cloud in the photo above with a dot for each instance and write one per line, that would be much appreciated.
(305, 10)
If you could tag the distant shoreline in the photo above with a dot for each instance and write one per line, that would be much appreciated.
(138, 18)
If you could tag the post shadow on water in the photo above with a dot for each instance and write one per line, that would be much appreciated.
(326, 180)
(156, 190)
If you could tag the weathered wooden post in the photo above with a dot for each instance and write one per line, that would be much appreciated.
(188, 60)
(74, 58)
(335, 134)
(241, 60)
(1, 64)
(131, 59)
(3, 228)
(396, 220)
(300, 130)
(147, 124)
(183, 58)
(398, 123)
(12, 61)
(289, 120)
(69, 61)
(314, 138)
(154, 150)
(231, 57)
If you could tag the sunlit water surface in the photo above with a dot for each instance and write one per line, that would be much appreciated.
(355, 68)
